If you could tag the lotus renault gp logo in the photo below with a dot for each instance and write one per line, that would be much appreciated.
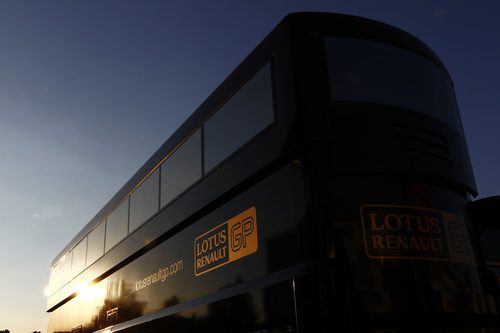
(230, 241)
(240, 232)
(403, 232)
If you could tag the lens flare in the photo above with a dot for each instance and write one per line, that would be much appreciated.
(91, 293)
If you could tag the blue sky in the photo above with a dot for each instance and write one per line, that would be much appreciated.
(90, 89)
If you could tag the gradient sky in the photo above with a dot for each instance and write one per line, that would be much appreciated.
(90, 89)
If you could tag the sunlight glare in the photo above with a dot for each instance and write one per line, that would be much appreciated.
(92, 292)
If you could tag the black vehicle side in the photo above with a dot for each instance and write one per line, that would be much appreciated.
(327, 165)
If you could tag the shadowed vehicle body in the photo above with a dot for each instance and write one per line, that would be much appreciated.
(322, 186)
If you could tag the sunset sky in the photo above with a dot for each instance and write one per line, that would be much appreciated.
(90, 89)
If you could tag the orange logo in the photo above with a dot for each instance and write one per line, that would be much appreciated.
(232, 240)
(406, 232)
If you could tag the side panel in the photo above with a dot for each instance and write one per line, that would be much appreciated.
(407, 253)
(261, 310)
(245, 246)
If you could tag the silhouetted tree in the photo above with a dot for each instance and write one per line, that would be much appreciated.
(174, 300)
(236, 313)
(127, 307)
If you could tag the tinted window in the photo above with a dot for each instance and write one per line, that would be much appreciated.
(242, 117)
(365, 71)
(489, 241)
(65, 269)
(144, 201)
(95, 247)
(54, 282)
(181, 169)
(79, 254)
(117, 225)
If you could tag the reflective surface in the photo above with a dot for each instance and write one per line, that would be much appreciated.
(165, 276)
(397, 261)
(64, 268)
(79, 254)
(95, 245)
(242, 117)
(367, 71)
(181, 169)
(270, 309)
(117, 225)
(144, 201)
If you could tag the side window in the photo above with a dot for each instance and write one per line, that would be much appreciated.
(95, 247)
(144, 201)
(79, 254)
(373, 72)
(242, 117)
(181, 169)
(54, 283)
(65, 270)
(489, 242)
(116, 225)
(52, 279)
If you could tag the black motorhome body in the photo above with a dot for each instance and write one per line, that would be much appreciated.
(322, 186)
